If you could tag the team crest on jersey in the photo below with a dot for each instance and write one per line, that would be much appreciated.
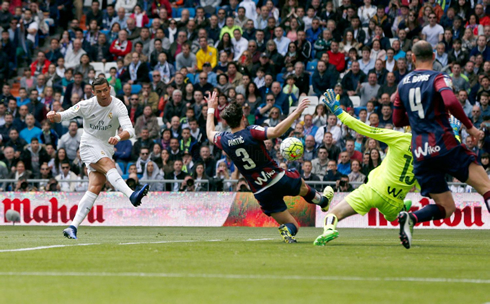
(110, 115)
(102, 152)
(260, 128)
(448, 81)
(76, 108)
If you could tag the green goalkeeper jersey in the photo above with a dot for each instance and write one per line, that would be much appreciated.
(394, 178)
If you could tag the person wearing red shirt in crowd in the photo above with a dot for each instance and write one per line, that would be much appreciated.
(41, 65)
(121, 46)
(335, 57)
(161, 4)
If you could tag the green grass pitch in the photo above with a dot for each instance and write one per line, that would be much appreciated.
(241, 265)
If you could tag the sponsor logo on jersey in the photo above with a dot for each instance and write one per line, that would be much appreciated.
(426, 150)
(448, 81)
(236, 141)
(415, 79)
(393, 192)
(265, 177)
(100, 126)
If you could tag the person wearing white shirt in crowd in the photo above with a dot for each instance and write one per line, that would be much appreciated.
(66, 174)
(240, 44)
(30, 26)
(366, 63)
(366, 12)
(127, 5)
(282, 42)
(260, 22)
(433, 32)
(72, 57)
(250, 9)
(330, 127)
(102, 115)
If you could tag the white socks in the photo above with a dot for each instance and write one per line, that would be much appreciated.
(118, 182)
(84, 207)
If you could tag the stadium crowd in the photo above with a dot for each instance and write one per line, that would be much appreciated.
(163, 57)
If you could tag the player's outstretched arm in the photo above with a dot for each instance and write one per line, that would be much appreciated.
(283, 126)
(68, 114)
(52, 116)
(385, 135)
(212, 106)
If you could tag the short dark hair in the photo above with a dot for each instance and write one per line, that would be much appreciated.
(233, 115)
(34, 139)
(423, 51)
(99, 81)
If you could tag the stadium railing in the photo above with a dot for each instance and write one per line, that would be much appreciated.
(206, 183)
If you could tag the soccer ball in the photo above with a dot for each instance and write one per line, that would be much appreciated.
(292, 148)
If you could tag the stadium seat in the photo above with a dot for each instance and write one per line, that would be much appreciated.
(150, 74)
(358, 109)
(310, 110)
(122, 165)
(191, 77)
(311, 66)
(176, 13)
(135, 88)
(356, 101)
(109, 65)
(106, 33)
(391, 41)
(149, 23)
(313, 100)
(280, 78)
(98, 66)
(192, 12)
(127, 167)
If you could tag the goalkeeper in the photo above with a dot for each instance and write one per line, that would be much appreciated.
(388, 184)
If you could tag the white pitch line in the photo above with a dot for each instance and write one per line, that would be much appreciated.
(45, 247)
(245, 277)
(264, 239)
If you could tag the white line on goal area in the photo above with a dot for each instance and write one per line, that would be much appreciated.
(129, 243)
(244, 277)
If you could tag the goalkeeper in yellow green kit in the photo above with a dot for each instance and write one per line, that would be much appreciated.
(388, 184)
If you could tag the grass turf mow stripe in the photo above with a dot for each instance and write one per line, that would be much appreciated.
(244, 277)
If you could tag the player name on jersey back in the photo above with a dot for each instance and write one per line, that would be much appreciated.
(415, 78)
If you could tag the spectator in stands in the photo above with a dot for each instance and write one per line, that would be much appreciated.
(389, 87)
(174, 107)
(5, 128)
(310, 151)
(151, 172)
(15, 141)
(476, 117)
(76, 87)
(100, 51)
(467, 107)
(374, 120)
(142, 160)
(73, 55)
(137, 71)
(344, 166)
(30, 131)
(402, 70)
(177, 174)
(332, 174)
(121, 46)
(122, 150)
(369, 90)
(324, 78)
(186, 59)
(386, 117)
(40, 66)
(460, 82)
(203, 85)
(433, 32)
(20, 121)
(147, 121)
(149, 98)
(353, 78)
(33, 156)
(70, 141)
(336, 57)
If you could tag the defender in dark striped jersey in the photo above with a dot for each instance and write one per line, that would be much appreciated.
(269, 183)
(423, 101)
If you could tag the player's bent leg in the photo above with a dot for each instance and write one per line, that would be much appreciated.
(479, 180)
(95, 184)
(314, 197)
(288, 225)
(107, 166)
(341, 211)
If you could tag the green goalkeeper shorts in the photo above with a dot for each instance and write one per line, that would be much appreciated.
(364, 198)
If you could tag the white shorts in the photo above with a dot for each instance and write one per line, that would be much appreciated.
(92, 153)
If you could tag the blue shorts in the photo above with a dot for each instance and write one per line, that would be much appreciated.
(431, 172)
(271, 199)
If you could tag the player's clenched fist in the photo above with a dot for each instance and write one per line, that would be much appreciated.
(52, 116)
(113, 141)
(303, 105)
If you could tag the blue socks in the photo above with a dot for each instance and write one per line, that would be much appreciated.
(292, 228)
(430, 213)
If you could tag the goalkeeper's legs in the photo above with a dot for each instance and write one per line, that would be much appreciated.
(339, 212)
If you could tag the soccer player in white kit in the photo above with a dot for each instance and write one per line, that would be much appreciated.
(102, 115)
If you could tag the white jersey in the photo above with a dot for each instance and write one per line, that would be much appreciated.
(99, 123)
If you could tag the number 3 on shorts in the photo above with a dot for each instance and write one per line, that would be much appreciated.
(249, 163)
